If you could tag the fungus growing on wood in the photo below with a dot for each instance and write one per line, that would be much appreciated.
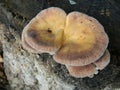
(44, 32)
(90, 69)
(85, 41)
(76, 40)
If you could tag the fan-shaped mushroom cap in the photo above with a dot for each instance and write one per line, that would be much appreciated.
(84, 41)
(82, 71)
(90, 69)
(103, 61)
(44, 32)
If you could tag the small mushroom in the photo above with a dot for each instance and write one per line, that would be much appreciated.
(82, 71)
(90, 69)
(44, 32)
(85, 41)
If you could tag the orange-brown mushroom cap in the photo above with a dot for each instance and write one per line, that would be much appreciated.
(103, 61)
(45, 31)
(85, 41)
(82, 71)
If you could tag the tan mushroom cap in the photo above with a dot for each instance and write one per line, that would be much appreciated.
(85, 41)
(45, 31)
(82, 71)
(90, 69)
(103, 61)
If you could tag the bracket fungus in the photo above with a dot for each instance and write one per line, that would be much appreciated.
(84, 40)
(90, 69)
(82, 71)
(75, 40)
(44, 32)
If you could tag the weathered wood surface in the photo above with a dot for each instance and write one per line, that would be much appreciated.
(27, 71)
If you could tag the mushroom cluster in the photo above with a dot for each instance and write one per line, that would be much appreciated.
(76, 40)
